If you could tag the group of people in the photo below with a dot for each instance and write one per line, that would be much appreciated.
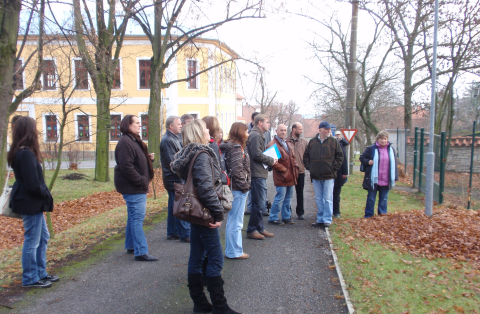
(240, 159)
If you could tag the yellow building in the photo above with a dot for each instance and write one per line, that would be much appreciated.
(210, 93)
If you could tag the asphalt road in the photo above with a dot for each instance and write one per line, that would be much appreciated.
(288, 273)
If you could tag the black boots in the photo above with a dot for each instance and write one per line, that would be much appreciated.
(200, 301)
(219, 303)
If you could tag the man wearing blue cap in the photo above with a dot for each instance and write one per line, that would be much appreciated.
(323, 157)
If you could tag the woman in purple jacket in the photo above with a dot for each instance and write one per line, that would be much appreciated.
(381, 172)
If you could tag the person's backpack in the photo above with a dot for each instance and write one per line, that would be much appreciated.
(225, 174)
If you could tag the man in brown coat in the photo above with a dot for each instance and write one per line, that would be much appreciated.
(285, 173)
(299, 143)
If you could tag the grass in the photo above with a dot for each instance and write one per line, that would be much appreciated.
(382, 279)
(67, 190)
(97, 235)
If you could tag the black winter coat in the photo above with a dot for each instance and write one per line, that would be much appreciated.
(238, 166)
(366, 156)
(169, 146)
(323, 159)
(203, 181)
(131, 175)
(339, 180)
(256, 147)
(30, 195)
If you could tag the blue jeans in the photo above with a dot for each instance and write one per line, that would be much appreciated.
(34, 252)
(324, 199)
(233, 231)
(382, 200)
(176, 226)
(249, 201)
(134, 236)
(258, 193)
(282, 201)
(205, 241)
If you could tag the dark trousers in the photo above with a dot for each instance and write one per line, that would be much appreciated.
(336, 199)
(205, 243)
(258, 193)
(299, 190)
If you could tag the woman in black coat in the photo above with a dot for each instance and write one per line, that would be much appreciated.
(381, 172)
(30, 197)
(132, 174)
(204, 241)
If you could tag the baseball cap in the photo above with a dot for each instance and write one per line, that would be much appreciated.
(325, 125)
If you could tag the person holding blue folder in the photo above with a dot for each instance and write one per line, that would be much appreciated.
(285, 174)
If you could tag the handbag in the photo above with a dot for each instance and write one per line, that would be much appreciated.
(186, 205)
(225, 195)
(5, 200)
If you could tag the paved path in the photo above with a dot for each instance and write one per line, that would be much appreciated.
(285, 274)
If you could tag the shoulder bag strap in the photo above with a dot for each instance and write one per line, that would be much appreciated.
(189, 183)
(6, 180)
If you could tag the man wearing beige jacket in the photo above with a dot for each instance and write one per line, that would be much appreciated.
(300, 144)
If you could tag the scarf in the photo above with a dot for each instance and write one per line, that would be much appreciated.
(374, 175)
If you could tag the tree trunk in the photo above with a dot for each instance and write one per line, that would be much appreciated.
(155, 113)
(407, 98)
(103, 132)
(9, 19)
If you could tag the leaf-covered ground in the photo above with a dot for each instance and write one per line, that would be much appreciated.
(449, 233)
(69, 213)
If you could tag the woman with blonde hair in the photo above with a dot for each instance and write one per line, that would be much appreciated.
(204, 241)
(381, 172)
(237, 164)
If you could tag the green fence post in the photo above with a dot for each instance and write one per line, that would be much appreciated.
(415, 154)
(406, 150)
(420, 164)
(443, 162)
(471, 166)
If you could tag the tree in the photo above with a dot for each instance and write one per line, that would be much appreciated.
(99, 46)
(9, 29)
(376, 92)
(170, 35)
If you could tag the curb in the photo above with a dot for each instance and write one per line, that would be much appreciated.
(350, 307)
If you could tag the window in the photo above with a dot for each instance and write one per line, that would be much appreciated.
(48, 75)
(144, 68)
(51, 127)
(18, 75)
(116, 77)
(83, 131)
(192, 70)
(81, 75)
(115, 134)
(144, 119)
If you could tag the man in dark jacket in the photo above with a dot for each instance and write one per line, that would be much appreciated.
(170, 144)
(268, 138)
(342, 175)
(285, 174)
(259, 174)
(323, 157)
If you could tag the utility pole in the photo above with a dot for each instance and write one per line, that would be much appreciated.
(352, 80)
(431, 154)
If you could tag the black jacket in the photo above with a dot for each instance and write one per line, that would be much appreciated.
(339, 180)
(214, 145)
(323, 159)
(203, 181)
(169, 146)
(368, 155)
(256, 147)
(131, 175)
(238, 166)
(30, 194)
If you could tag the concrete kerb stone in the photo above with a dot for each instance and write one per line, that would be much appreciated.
(350, 307)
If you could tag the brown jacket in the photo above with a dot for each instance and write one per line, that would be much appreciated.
(285, 171)
(300, 144)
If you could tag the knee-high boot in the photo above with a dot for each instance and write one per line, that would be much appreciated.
(217, 295)
(200, 301)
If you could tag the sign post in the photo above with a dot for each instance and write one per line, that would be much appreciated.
(349, 134)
